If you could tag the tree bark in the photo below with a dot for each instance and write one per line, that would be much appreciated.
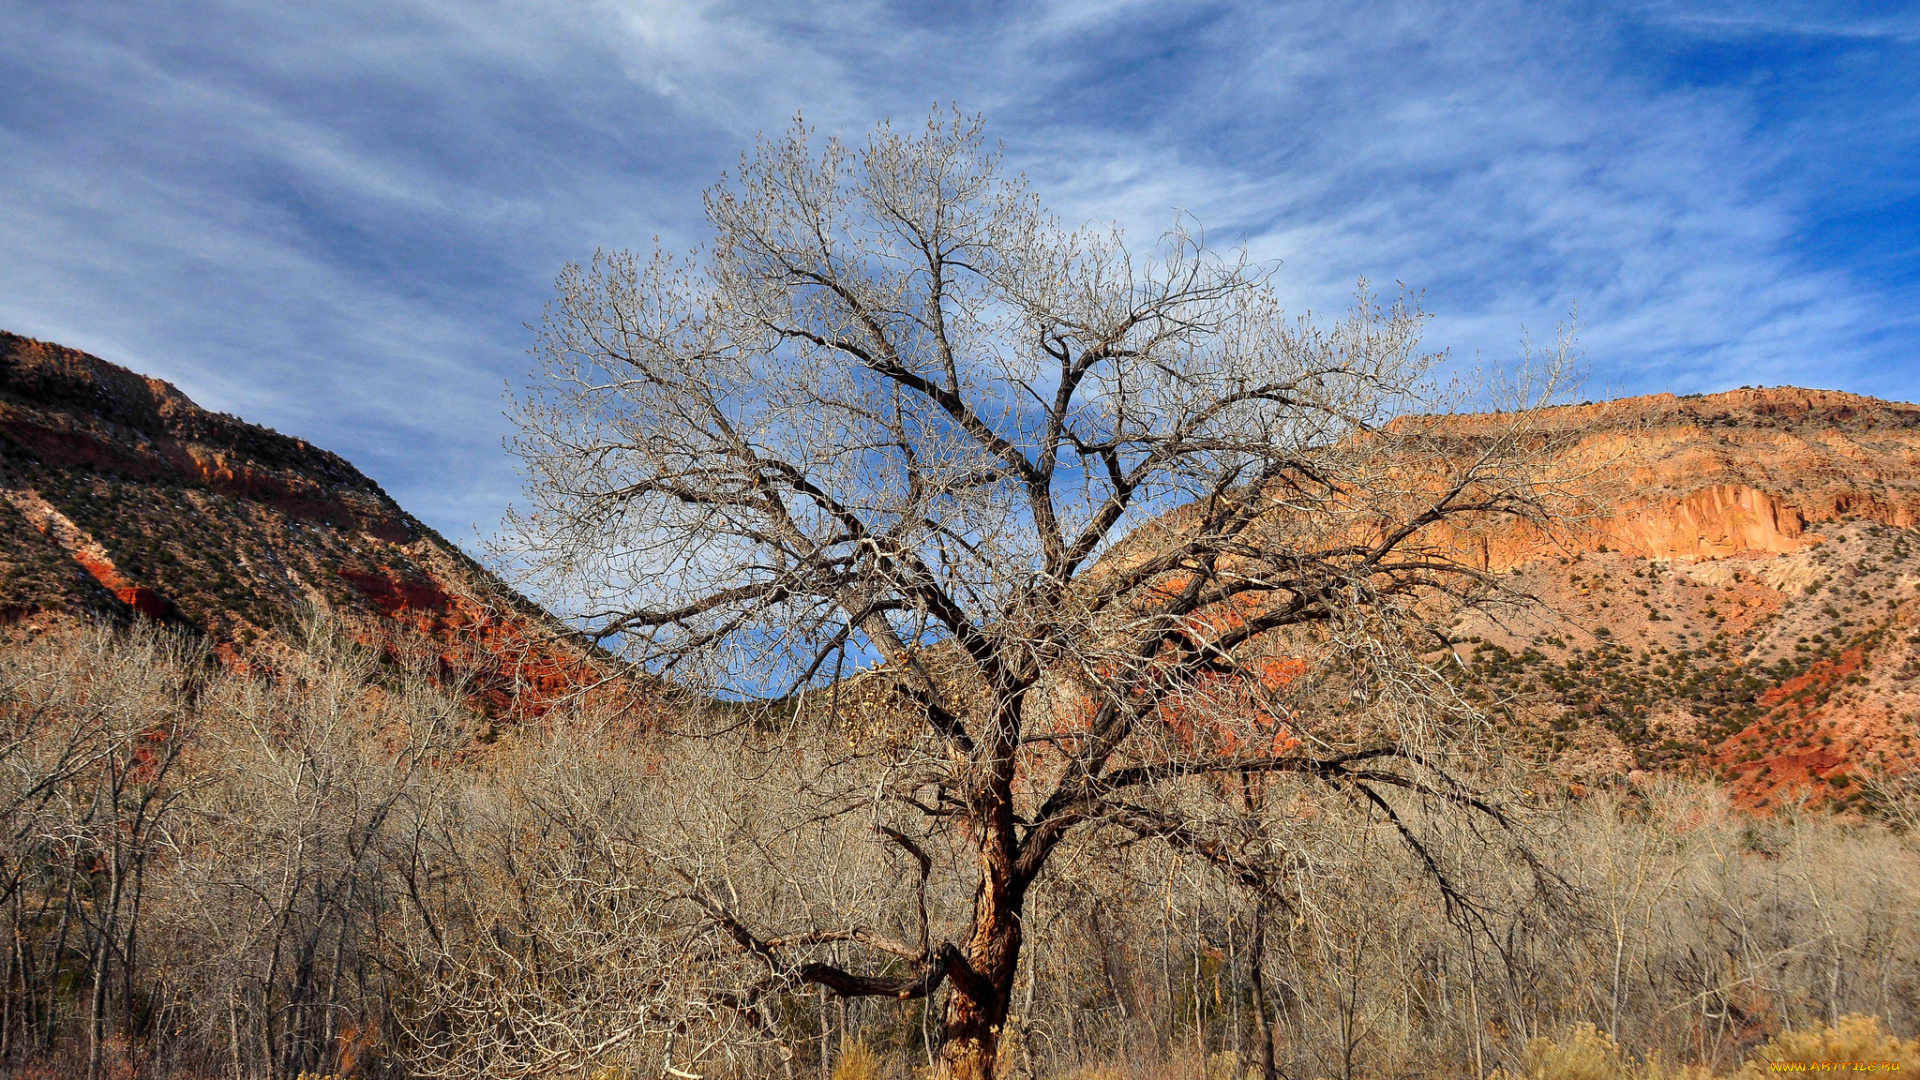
(971, 1030)
(978, 1001)
(981, 993)
(1256, 955)
(979, 998)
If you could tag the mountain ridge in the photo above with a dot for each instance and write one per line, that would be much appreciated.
(120, 497)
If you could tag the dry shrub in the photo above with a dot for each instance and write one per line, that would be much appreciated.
(858, 1062)
(1854, 1038)
(1188, 1066)
(328, 872)
(1587, 1053)
(1228, 1066)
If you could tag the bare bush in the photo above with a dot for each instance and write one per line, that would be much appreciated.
(93, 732)
(320, 871)
(285, 884)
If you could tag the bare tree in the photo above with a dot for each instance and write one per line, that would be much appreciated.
(93, 736)
(1117, 533)
(305, 782)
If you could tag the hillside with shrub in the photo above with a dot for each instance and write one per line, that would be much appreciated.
(120, 499)
(1747, 606)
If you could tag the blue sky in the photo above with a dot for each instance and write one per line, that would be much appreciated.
(337, 219)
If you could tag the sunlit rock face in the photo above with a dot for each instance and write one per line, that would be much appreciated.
(1745, 605)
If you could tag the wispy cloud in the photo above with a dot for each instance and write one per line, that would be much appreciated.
(1887, 22)
(336, 219)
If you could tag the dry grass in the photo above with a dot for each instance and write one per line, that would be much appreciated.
(858, 1062)
(1587, 1053)
(1853, 1039)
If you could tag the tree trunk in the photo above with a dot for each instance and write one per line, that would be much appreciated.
(1256, 954)
(976, 1010)
(972, 1036)
(980, 995)
(979, 998)
(97, 1002)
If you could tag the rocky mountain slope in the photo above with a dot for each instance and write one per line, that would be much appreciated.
(121, 499)
(1750, 607)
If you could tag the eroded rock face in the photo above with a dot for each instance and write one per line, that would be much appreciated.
(1749, 470)
(1712, 523)
(121, 498)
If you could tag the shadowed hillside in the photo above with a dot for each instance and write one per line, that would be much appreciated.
(122, 499)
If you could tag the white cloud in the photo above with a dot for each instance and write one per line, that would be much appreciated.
(335, 219)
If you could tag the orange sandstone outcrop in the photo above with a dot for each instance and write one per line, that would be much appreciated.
(1712, 523)
(1744, 598)
(1750, 470)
